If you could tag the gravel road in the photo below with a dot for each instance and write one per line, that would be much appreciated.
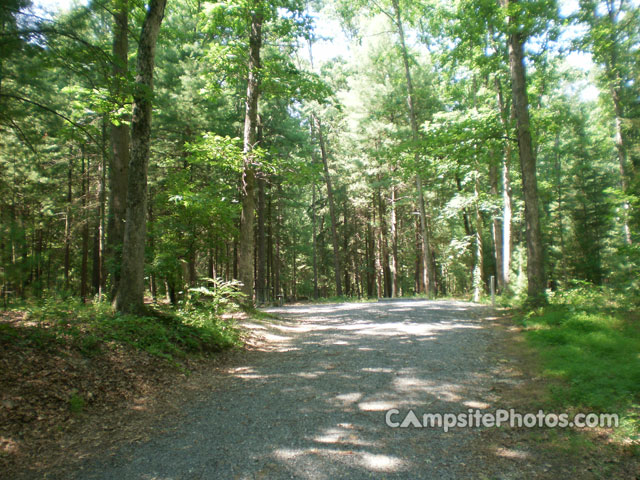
(311, 402)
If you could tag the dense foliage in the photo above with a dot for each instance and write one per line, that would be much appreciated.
(341, 175)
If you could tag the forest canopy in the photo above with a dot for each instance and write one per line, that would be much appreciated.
(432, 148)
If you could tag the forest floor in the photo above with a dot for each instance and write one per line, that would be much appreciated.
(307, 399)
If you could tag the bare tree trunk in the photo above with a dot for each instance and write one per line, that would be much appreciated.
(345, 248)
(394, 244)
(478, 268)
(246, 244)
(560, 200)
(371, 263)
(84, 266)
(98, 254)
(428, 275)
(506, 192)
(622, 163)
(67, 225)
(315, 240)
(496, 226)
(261, 283)
(276, 260)
(535, 254)
(384, 247)
(120, 144)
(332, 210)
(130, 296)
(506, 218)
(612, 71)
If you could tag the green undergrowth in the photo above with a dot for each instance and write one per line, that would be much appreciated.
(588, 341)
(165, 332)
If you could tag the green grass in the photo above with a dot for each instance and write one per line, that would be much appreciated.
(590, 344)
(167, 333)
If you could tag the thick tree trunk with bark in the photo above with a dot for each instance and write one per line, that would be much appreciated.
(535, 254)
(246, 241)
(130, 296)
(506, 191)
(120, 144)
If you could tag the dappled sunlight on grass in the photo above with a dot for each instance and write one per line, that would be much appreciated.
(512, 453)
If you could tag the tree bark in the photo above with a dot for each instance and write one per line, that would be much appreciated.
(621, 150)
(332, 210)
(612, 71)
(384, 246)
(428, 279)
(315, 240)
(496, 226)
(506, 192)
(130, 296)
(84, 265)
(345, 247)
(120, 145)
(261, 293)
(67, 225)
(478, 267)
(394, 244)
(246, 241)
(536, 283)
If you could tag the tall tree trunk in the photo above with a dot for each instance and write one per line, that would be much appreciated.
(384, 246)
(478, 268)
(345, 247)
(98, 242)
(130, 296)
(270, 250)
(536, 283)
(394, 244)
(315, 239)
(612, 71)
(622, 163)
(278, 241)
(120, 145)
(261, 283)
(560, 199)
(261, 250)
(496, 225)
(246, 243)
(371, 264)
(67, 225)
(377, 240)
(84, 266)
(428, 279)
(332, 210)
(506, 191)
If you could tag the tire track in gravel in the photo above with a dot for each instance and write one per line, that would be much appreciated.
(311, 403)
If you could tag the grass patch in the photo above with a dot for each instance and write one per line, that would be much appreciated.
(170, 333)
(591, 347)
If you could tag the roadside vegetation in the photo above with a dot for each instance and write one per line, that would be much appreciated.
(65, 362)
(588, 343)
